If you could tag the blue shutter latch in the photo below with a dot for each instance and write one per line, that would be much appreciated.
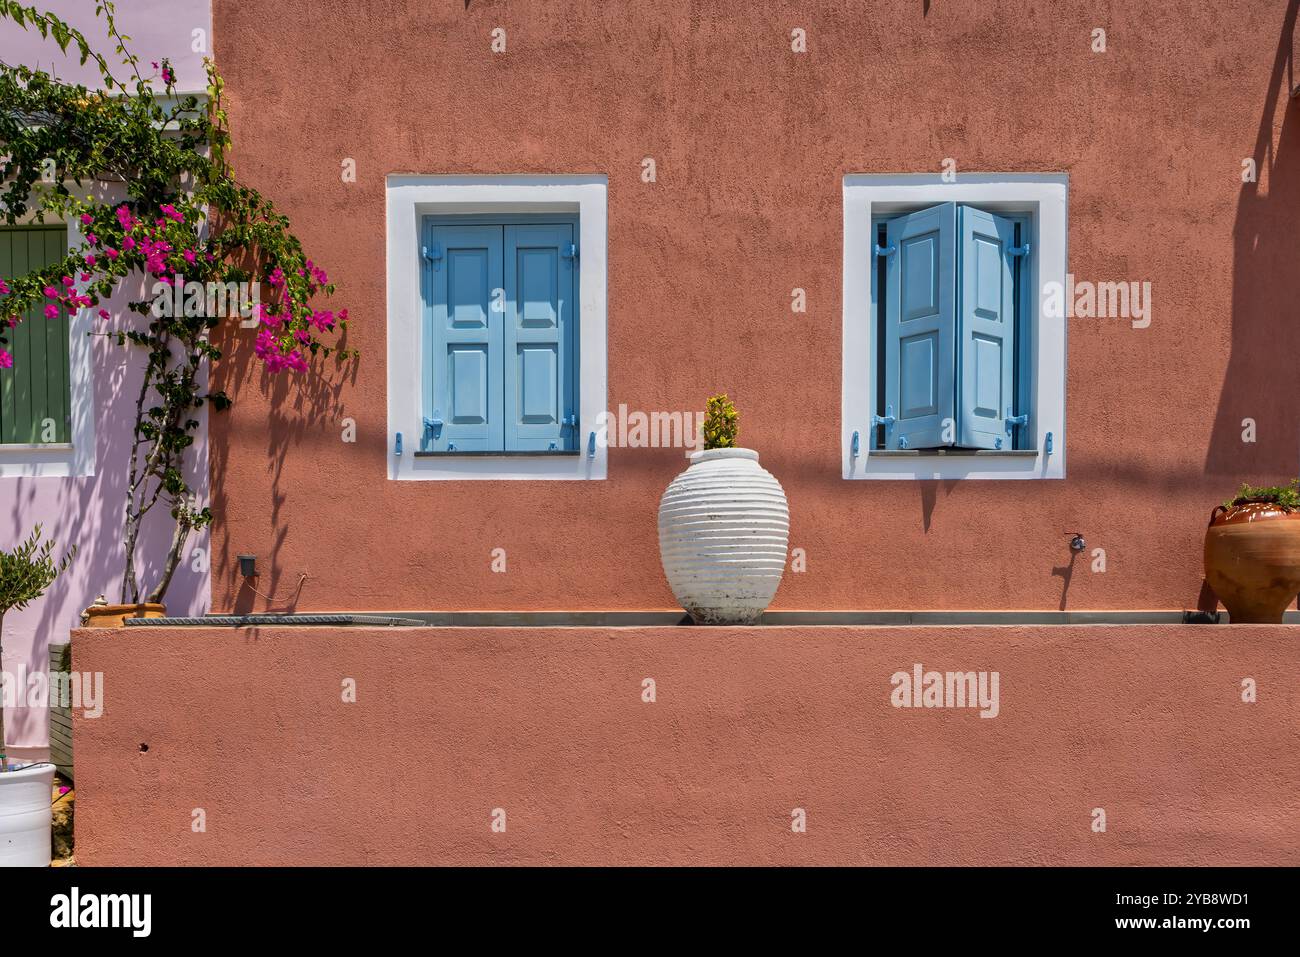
(887, 420)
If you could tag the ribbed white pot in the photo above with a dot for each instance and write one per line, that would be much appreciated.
(25, 816)
(723, 529)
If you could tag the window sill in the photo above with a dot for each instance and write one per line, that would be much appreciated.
(35, 447)
(498, 454)
(957, 453)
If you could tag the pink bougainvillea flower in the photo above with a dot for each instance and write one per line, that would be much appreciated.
(87, 219)
(110, 252)
(51, 292)
(128, 244)
(4, 287)
(51, 311)
(124, 217)
(103, 314)
(67, 280)
(92, 239)
(189, 256)
(6, 360)
(170, 212)
(90, 261)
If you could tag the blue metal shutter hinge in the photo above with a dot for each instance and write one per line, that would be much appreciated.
(1013, 420)
(884, 250)
(571, 251)
(433, 254)
(887, 420)
(1019, 250)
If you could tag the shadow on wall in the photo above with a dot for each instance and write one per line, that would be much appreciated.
(88, 511)
(302, 408)
(1263, 368)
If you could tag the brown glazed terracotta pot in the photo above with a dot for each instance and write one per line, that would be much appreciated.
(1252, 560)
(103, 615)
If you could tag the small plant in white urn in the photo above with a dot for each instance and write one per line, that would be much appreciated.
(723, 528)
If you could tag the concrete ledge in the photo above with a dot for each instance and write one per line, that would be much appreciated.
(638, 619)
(748, 724)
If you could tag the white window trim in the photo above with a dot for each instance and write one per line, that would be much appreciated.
(409, 198)
(75, 459)
(1045, 196)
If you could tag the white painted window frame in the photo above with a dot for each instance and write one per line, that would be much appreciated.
(408, 199)
(74, 459)
(1045, 197)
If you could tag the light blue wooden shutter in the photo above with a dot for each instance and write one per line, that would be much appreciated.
(986, 338)
(540, 393)
(920, 328)
(468, 299)
(35, 395)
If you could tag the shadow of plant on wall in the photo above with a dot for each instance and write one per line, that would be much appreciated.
(1265, 344)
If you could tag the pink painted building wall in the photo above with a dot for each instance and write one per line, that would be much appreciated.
(752, 143)
(87, 510)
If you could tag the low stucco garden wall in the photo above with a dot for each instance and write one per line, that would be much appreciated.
(247, 733)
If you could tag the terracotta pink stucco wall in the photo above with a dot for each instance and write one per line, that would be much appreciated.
(87, 511)
(1146, 723)
(751, 143)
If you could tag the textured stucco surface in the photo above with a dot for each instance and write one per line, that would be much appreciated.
(751, 144)
(1146, 723)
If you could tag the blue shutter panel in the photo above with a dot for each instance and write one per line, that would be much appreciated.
(540, 383)
(986, 340)
(468, 319)
(920, 328)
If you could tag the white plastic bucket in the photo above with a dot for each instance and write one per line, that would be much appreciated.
(25, 817)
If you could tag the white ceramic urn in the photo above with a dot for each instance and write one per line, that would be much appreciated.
(723, 529)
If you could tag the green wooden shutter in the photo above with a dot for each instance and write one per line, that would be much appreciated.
(36, 391)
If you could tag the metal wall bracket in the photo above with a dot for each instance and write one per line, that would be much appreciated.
(1047, 447)
(855, 447)
(591, 445)
(397, 446)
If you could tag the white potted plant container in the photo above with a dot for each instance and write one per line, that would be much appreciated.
(25, 816)
(724, 525)
(25, 790)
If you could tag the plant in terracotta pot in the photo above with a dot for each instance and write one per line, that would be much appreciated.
(26, 571)
(1252, 552)
(723, 527)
